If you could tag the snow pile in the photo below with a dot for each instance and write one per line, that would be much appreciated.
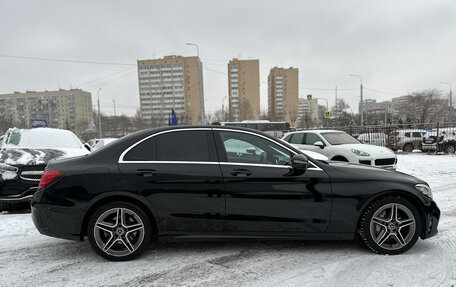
(41, 138)
(7, 172)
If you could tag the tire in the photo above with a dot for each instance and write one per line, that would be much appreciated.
(451, 148)
(119, 231)
(3, 206)
(384, 233)
(408, 148)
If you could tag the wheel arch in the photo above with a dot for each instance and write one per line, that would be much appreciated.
(340, 157)
(149, 210)
(395, 193)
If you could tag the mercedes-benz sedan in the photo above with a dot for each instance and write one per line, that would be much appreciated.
(215, 182)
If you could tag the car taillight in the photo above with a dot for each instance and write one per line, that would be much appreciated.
(50, 177)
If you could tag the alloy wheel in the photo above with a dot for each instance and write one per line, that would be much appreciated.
(392, 226)
(119, 232)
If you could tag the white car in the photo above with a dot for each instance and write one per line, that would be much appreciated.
(102, 142)
(340, 146)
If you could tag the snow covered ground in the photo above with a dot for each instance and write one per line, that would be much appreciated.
(30, 259)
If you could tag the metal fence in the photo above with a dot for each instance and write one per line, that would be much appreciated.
(427, 137)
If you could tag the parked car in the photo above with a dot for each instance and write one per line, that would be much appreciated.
(445, 142)
(340, 146)
(226, 183)
(102, 142)
(408, 140)
(378, 139)
(23, 158)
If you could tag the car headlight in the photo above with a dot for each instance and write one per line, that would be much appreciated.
(425, 189)
(359, 153)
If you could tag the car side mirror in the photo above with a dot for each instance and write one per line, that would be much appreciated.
(87, 146)
(299, 162)
(319, 144)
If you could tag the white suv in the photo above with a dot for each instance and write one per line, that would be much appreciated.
(340, 146)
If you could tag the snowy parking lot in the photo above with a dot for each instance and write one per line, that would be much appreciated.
(30, 259)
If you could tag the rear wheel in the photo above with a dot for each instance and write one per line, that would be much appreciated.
(390, 225)
(119, 231)
(451, 148)
(408, 148)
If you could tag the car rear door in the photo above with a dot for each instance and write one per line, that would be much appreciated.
(262, 194)
(178, 172)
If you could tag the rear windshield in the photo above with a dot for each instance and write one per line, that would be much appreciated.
(338, 138)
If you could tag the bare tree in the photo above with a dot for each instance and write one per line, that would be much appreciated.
(424, 106)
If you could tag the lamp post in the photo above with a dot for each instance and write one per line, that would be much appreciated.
(361, 93)
(200, 84)
(99, 113)
(451, 99)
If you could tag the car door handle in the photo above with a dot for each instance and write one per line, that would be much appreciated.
(241, 172)
(146, 172)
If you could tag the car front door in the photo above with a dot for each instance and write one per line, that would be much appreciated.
(262, 192)
(177, 171)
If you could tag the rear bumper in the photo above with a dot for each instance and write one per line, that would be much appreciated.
(61, 221)
(432, 217)
(429, 147)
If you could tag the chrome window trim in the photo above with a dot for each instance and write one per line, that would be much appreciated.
(259, 135)
(121, 158)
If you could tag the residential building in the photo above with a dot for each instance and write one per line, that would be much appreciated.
(283, 93)
(64, 109)
(372, 106)
(170, 83)
(419, 109)
(244, 89)
(307, 113)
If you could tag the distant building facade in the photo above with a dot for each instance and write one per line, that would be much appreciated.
(283, 91)
(307, 113)
(244, 89)
(171, 82)
(372, 106)
(64, 109)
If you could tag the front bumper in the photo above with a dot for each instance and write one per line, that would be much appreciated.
(431, 217)
(18, 190)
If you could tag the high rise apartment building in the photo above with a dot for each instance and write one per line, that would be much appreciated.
(283, 91)
(64, 109)
(171, 82)
(244, 89)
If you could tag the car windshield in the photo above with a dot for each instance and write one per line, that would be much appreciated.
(42, 138)
(338, 138)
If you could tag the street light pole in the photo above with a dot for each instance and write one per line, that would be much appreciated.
(99, 113)
(361, 93)
(200, 84)
(451, 100)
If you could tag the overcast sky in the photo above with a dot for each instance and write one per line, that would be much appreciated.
(397, 46)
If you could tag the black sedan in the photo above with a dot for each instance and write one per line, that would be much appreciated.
(215, 182)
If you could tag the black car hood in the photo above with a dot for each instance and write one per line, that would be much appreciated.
(365, 172)
(26, 156)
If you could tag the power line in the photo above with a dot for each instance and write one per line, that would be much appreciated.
(383, 92)
(66, 61)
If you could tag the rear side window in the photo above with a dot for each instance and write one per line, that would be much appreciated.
(182, 146)
(297, 138)
(172, 146)
(407, 135)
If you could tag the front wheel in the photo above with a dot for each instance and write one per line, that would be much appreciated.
(119, 231)
(390, 225)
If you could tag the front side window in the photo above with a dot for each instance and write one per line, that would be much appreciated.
(172, 146)
(311, 139)
(247, 148)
